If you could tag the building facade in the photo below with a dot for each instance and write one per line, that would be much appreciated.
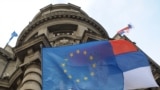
(55, 25)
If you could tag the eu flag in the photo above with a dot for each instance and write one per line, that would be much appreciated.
(89, 66)
(99, 65)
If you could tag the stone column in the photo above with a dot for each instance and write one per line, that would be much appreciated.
(32, 74)
(32, 78)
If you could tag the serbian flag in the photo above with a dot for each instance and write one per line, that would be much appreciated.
(125, 30)
(98, 65)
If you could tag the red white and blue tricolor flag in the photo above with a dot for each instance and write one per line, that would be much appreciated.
(125, 30)
(98, 65)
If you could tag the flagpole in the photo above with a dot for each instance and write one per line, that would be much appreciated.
(9, 40)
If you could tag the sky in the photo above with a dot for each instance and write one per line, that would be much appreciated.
(113, 15)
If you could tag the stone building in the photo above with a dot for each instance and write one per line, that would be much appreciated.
(54, 25)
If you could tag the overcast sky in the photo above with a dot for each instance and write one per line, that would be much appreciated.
(113, 15)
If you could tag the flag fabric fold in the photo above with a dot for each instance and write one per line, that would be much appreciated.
(136, 70)
(98, 65)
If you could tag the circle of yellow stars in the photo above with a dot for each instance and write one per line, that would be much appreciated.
(93, 65)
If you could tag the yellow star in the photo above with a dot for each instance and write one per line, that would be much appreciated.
(84, 52)
(69, 76)
(66, 59)
(92, 73)
(78, 51)
(63, 64)
(71, 54)
(90, 57)
(65, 71)
(77, 80)
(94, 65)
(85, 78)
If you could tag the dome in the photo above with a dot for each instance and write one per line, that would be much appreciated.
(68, 16)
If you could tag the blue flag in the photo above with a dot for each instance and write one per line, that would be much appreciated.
(89, 66)
(99, 65)
(14, 34)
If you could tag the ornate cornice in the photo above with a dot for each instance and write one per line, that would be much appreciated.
(35, 43)
(60, 15)
(59, 6)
